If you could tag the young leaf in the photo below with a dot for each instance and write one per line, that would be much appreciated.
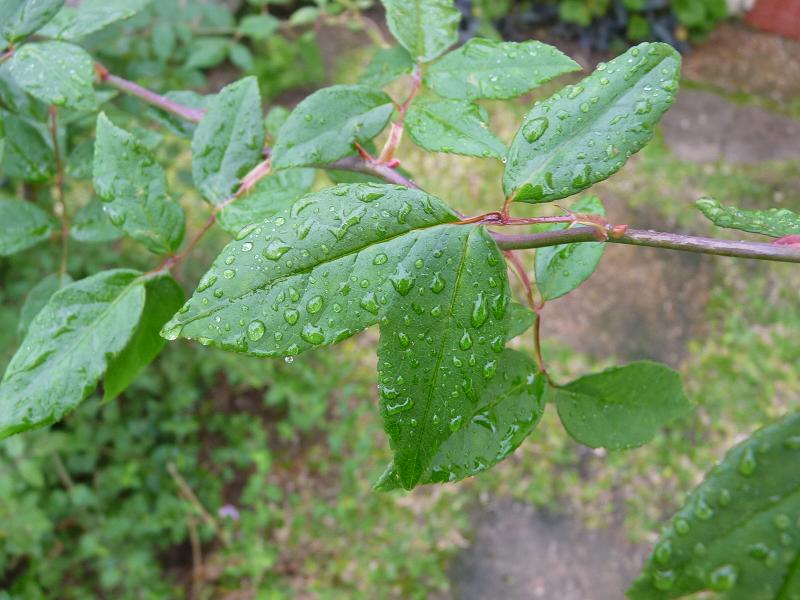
(426, 28)
(23, 225)
(229, 140)
(453, 126)
(68, 346)
(207, 52)
(316, 273)
(560, 269)
(387, 65)
(92, 225)
(621, 407)
(519, 319)
(585, 133)
(56, 73)
(258, 27)
(491, 433)
(439, 347)
(737, 533)
(37, 298)
(28, 153)
(500, 70)
(775, 222)
(273, 194)
(324, 126)
(90, 16)
(134, 189)
(19, 18)
(163, 296)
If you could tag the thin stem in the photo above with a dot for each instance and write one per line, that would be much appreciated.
(385, 172)
(396, 132)
(60, 207)
(6, 55)
(537, 346)
(654, 239)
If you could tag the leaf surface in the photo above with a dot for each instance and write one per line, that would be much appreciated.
(28, 153)
(387, 65)
(520, 318)
(492, 433)
(23, 225)
(453, 126)
(133, 187)
(426, 28)
(37, 298)
(229, 140)
(484, 68)
(621, 407)
(315, 273)
(89, 17)
(585, 133)
(737, 534)
(324, 126)
(775, 222)
(92, 225)
(56, 73)
(19, 18)
(67, 349)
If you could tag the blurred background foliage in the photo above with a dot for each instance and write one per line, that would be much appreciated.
(219, 476)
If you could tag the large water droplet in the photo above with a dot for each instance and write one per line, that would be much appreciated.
(480, 311)
(534, 129)
(275, 249)
(255, 330)
(312, 334)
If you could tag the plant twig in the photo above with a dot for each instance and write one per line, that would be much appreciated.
(60, 207)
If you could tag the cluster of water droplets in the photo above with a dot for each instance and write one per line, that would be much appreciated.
(777, 222)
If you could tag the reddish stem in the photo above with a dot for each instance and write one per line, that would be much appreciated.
(60, 207)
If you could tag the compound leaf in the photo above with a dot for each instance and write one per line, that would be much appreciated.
(229, 140)
(426, 28)
(134, 189)
(775, 222)
(324, 126)
(516, 404)
(37, 298)
(67, 349)
(387, 65)
(560, 269)
(621, 407)
(19, 18)
(484, 68)
(24, 225)
(737, 534)
(163, 296)
(56, 73)
(453, 126)
(273, 194)
(315, 273)
(585, 133)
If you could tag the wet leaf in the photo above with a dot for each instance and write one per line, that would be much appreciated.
(560, 269)
(37, 298)
(133, 187)
(738, 533)
(484, 68)
(621, 407)
(324, 126)
(387, 65)
(92, 225)
(56, 73)
(19, 18)
(90, 16)
(67, 349)
(175, 124)
(775, 222)
(426, 28)
(229, 140)
(23, 225)
(453, 126)
(492, 433)
(585, 133)
(258, 27)
(520, 318)
(28, 153)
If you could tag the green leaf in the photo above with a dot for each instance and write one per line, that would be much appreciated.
(229, 140)
(275, 119)
(92, 225)
(775, 222)
(258, 27)
(19, 18)
(426, 28)
(453, 126)
(305, 15)
(80, 161)
(67, 349)
(28, 153)
(316, 273)
(16, 100)
(439, 350)
(585, 133)
(175, 124)
(163, 296)
(207, 52)
(134, 189)
(89, 17)
(621, 407)
(324, 126)
(37, 298)
(500, 70)
(738, 532)
(24, 225)
(520, 319)
(273, 194)
(56, 73)
(560, 269)
(387, 65)
(492, 432)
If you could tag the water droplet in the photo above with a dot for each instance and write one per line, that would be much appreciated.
(207, 281)
(290, 315)
(229, 273)
(534, 129)
(465, 343)
(723, 579)
(275, 249)
(399, 407)
(255, 330)
(171, 333)
(315, 304)
(702, 510)
(747, 463)
(663, 552)
(490, 369)
(402, 280)
(402, 338)
(480, 311)
(455, 423)
(380, 259)
(682, 526)
(312, 334)
(663, 580)
(370, 303)
(438, 283)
